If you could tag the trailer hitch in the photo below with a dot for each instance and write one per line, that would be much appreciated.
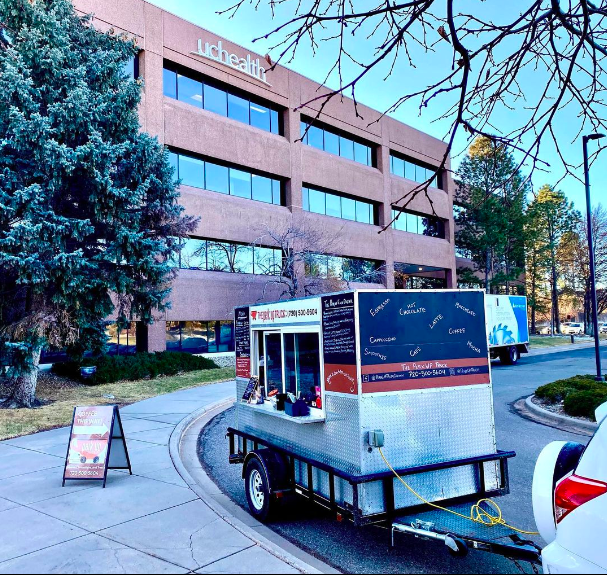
(456, 546)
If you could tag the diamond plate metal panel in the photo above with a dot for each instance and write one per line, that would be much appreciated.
(429, 426)
(336, 442)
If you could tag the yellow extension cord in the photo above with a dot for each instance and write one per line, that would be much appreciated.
(477, 513)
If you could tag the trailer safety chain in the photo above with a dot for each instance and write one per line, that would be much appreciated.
(477, 513)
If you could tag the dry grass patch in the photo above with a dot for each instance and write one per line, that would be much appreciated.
(61, 395)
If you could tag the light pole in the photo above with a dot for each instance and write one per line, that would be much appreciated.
(595, 318)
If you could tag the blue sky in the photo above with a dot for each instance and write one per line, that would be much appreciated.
(380, 93)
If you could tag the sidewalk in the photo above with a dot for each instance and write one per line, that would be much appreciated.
(151, 522)
(560, 348)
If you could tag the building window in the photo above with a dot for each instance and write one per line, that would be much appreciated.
(121, 342)
(343, 268)
(218, 256)
(209, 95)
(131, 67)
(331, 141)
(418, 224)
(331, 204)
(414, 170)
(234, 181)
(200, 336)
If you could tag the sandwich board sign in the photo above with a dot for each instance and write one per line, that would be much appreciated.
(97, 443)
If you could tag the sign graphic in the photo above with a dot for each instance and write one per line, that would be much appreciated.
(339, 343)
(287, 312)
(97, 444)
(251, 67)
(242, 336)
(421, 340)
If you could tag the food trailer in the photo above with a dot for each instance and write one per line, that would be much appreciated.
(376, 405)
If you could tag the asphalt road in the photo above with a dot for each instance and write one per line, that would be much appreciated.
(367, 550)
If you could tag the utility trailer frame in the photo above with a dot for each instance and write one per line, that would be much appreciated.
(411, 520)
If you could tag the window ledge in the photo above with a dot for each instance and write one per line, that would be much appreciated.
(267, 408)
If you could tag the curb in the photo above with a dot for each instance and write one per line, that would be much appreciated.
(559, 419)
(185, 436)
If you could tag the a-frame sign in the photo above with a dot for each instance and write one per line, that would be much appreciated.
(97, 443)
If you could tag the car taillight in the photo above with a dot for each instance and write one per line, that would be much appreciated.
(573, 492)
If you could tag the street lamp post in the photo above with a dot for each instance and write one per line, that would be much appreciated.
(595, 318)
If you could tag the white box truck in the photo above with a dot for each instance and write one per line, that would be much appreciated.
(507, 327)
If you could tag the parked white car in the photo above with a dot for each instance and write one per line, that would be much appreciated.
(570, 503)
(603, 328)
(572, 329)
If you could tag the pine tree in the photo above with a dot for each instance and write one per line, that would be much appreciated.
(492, 198)
(553, 217)
(89, 211)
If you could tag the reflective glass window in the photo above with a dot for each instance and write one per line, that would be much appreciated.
(315, 137)
(348, 209)
(194, 254)
(409, 171)
(331, 143)
(215, 100)
(240, 183)
(412, 223)
(275, 122)
(217, 178)
(262, 189)
(333, 205)
(173, 336)
(276, 192)
(191, 171)
(346, 148)
(169, 83)
(243, 259)
(194, 337)
(189, 91)
(264, 261)
(304, 134)
(238, 108)
(398, 166)
(260, 117)
(317, 201)
(218, 256)
(362, 212)
(361, 153)
(306, 199)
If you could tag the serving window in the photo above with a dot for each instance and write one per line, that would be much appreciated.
(287, 361)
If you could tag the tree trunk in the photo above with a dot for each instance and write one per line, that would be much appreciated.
(555, 300)
(24, 394)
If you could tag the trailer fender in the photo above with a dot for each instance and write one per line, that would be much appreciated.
(275, 467)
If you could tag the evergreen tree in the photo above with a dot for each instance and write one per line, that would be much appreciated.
(490, 224)
(537, 265)
(553, 217)
(89, 211)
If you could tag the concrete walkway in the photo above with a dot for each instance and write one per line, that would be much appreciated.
(151, 522)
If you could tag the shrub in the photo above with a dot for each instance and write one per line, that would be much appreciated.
(584, 403)
(112, 368)
(581, 394)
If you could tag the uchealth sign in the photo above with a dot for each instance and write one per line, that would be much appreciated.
(249, 65)
(287, 312)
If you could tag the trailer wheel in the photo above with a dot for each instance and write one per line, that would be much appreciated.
(510, 356)
(257, 488)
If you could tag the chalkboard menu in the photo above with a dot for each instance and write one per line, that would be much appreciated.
(242, 335)
(339, 343)
(419, 340)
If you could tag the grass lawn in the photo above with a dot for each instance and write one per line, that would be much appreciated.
(547, 341)
(63, 395)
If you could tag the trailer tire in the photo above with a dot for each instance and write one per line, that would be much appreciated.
(510, 356)
(257, 489)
